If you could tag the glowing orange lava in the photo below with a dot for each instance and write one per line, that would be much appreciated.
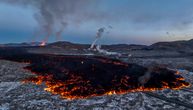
(76, 86)
(73, 77)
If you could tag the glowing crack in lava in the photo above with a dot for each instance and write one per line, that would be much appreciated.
(86, 76)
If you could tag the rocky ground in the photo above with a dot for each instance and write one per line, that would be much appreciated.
(15, 95)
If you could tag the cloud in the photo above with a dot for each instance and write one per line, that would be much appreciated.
(127, 16)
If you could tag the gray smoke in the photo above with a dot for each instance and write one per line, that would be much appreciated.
(100, 32)
(59, 33)
(52, 15)
(98, 36)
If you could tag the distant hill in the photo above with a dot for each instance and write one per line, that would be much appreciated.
(175, 45)
(69, 45)
(20, 44)
(183, 45)
(123, 47)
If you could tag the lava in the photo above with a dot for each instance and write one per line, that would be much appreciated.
(75, 77)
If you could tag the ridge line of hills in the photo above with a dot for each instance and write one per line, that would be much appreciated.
(174, 45)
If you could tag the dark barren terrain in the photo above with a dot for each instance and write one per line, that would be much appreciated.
(25, 63)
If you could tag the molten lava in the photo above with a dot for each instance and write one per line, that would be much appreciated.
(86, 76)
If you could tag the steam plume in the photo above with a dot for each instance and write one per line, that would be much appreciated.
(98, 36)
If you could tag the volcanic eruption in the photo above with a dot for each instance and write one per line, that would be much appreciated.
(75, 77)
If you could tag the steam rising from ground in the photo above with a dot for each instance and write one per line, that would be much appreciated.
(98, 36)
(52, 15)
(96, 46)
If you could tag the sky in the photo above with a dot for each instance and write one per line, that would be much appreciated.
(132, 21)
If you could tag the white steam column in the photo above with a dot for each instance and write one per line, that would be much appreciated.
(97, 47)
(98, 36)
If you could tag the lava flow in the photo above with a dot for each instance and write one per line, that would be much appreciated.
(75, 77)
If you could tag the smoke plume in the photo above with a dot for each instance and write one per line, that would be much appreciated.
(52, 15)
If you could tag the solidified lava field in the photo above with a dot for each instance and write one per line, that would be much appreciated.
(86, 76)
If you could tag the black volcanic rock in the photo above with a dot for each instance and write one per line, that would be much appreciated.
(74, 76)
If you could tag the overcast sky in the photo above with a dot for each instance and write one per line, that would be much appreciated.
(133, 21)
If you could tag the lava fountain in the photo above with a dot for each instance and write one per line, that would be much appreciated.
(75, 77)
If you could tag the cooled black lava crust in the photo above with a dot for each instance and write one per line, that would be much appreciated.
(93, 75)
